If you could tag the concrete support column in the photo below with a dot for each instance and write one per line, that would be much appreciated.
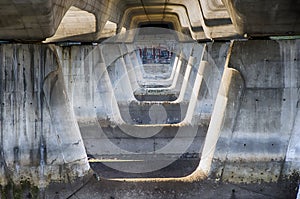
(40, 138)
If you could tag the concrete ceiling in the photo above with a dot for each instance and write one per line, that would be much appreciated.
(37, 20)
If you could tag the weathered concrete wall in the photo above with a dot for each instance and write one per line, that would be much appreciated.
(255, 115)
(40, 138)
(244, 127)
(102, 123)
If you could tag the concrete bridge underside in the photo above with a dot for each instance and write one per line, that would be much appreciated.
(99, 100)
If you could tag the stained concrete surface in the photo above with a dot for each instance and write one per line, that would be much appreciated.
(239, 120)
(93, 188)
(247, 139)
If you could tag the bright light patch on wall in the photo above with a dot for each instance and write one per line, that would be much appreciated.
(76, 22)
(123, 30)
(109, 30)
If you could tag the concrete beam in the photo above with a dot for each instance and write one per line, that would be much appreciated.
(262, 18)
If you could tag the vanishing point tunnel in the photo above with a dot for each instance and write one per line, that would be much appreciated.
(149, 99)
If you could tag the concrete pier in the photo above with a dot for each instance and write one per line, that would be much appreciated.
(149, 99)
(237, 122)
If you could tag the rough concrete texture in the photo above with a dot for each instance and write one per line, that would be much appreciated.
(215, 120)
(38, 132)
(238, 137)
(262, 121)
(91, 188)
(264, 18)
(205, 19)
(106, 116)
(75, 22)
